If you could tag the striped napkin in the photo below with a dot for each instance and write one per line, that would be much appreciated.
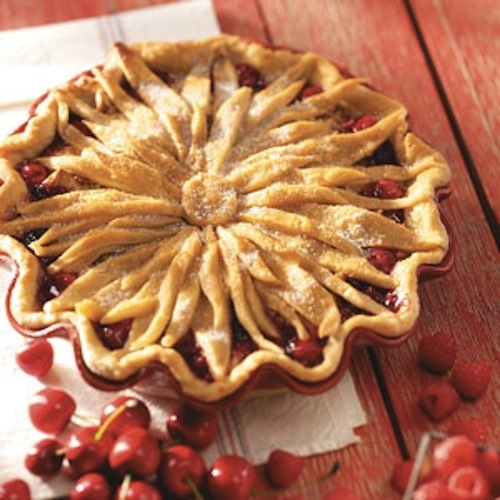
(303, 425)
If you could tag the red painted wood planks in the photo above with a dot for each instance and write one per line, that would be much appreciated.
(28, 13)
(382, 43)
(463, 39)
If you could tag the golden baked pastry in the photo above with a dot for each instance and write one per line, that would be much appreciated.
(215, 206)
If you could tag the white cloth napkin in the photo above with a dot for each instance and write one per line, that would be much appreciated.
(36, 58)
(303, 425)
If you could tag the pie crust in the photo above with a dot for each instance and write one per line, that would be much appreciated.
(215, 206)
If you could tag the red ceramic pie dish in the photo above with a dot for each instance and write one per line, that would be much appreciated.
(155, 379)
(231, 201)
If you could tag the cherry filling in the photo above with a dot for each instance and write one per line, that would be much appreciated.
(357, 124)
(309, 351)
(31, 236)
(283, 326)
(346, 309)
(248, 76)
(384, 259)
(396, 215)
(36, 175)
(242, 343)
(54, 284)
(387, 298)
(384, 155)
(27, 238)
(192, 353)
(114, 335)
(36, 178)
(33, 175)
(386, 189)
(309, 91)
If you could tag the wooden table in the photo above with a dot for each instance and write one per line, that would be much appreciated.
(440, 57)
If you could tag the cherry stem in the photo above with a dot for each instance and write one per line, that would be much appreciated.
(298, 486)
(196, 492)
(125, 486)
(109, 420)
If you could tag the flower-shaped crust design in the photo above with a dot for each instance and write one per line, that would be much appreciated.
(189, 215)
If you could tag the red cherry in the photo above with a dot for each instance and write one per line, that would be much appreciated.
(181, 471)
(114, 335)
(242, 344)
(382, 258)
(45, 458)
(283, 468)
(57, 283)
(35, 176)
(194, 356)
(358, 124)
(195, 428)
(309, 352)
(125, 412)
(388, 189)
(250, 77)
(50, 410)
(231, 476)
(242, 349)
(15, 489)
(468, 483)
(364, 122)
(384, 189)
(309, 91)
(35, 357)
(87, 450)
(392, 301)
(33, 173)
(91, 486)
(137, 490)
(135, 451)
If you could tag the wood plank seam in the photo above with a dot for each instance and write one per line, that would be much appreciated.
(391, 411)
(265, 25)
(489, 213)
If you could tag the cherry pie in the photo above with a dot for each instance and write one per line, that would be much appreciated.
(215, 206)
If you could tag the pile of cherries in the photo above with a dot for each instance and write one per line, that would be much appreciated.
(120, 456)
